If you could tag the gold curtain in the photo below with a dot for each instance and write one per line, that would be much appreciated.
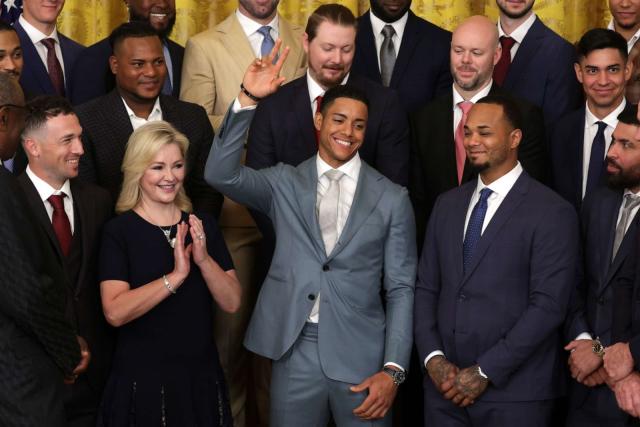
(88, 21)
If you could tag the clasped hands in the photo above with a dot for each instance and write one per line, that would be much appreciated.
(461, 386)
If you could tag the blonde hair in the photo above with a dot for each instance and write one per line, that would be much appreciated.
(142, 147)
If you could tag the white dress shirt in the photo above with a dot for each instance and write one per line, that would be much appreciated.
(315, 90)
(136, 122)
(45, 191)
(590, 131)
(251, 27)
(500, 188)
(457, 98)
(378, 24)
(518, 34)
(36, 37)
(632, 41)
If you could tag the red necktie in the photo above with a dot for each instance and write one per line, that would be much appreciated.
(502, 67)
(318, 108)
(53, 65)
(60, 222)
(461, 155)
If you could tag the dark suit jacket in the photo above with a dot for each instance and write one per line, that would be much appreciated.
(421, 70)
(37, 344)
(34, 78)
(566, 143)
(433, 157)
(92, 208)
(592, 305)
(506, 311)
(106, 129)
(542, 73)
(91, 76)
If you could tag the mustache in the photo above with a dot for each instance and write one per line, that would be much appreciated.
(338, 67)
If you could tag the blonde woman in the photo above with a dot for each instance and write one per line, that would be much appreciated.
(160, 268)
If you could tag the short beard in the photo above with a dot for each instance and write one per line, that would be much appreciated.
(478, 169)
(378, 10)
(514, 15)
(472, 85)
(254, 13)
(134, 17)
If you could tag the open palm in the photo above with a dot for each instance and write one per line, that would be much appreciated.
(262, 78)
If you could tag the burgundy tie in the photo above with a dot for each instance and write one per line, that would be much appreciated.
(318, 108)
(60, 222)
(502, 67)
(53, 65)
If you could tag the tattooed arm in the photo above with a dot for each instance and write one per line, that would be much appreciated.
(442, 373)
(468, 385)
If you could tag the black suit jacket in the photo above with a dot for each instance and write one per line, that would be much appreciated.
(106, 129)
(37, 344)
(433, 158)
(91, 76)
(566, 144)
(92, 208)
(421, 70)
(542, 73)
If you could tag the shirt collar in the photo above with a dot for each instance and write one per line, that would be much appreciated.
(519, 33)
(378, 24)
(611, 119)
(631, 41)
(44, 189)
(249, 26)
(36, 35)
(351, 168)
(315, 89)
(457, 98)
(502, 185)
(156, 110)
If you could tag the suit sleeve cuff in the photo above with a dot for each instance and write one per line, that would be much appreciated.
(432, 355)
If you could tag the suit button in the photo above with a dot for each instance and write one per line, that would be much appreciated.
(462, 297)
(311, 297)
(326, 267)
(601, 301)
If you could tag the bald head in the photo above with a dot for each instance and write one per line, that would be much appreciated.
(474, 52)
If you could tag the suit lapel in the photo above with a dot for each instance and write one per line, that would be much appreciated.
(306, 189)
(64, 43)
(302, 108)
(456, 228)
(526, 52)
(444, 145)
(36, 68)
(607, 229)
(233, 35)
(82, 217)
(576, 160)
(369, 54)
(407, 47)
(289, 38)
(116, 118)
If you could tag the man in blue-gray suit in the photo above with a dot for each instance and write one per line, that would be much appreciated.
(494, 281)
(345, 233)
(48, 55)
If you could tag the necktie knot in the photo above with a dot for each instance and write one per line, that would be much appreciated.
(507, 43)
(388, 31)
(485, 193)
(631, 201)
(334, 175)
(601, 126)
(56, 201)
(465, 106)
(265, 31)
(49, 43)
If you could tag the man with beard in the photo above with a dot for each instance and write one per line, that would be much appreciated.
(625, 20)
(609, 227)
(494, 282)
(580, 139)
(396, 48)
(536, 63)
(91, 76)
(437, 130)
(11, 61)
(214, 63)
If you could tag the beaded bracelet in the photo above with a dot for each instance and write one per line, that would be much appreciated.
(168, 285)
(249, 94)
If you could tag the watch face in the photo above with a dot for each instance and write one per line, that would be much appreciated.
(400, 376)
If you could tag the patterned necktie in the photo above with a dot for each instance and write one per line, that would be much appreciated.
(267, 41)
(474, 228)
(53, 66)
(328, 210)
(60, 222)
(502, 67)
(387, 55)
(630, 202)
(461, 155)
(596, 159)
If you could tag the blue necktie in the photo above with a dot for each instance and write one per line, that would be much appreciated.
(596, 160)
(474, 228)
(267, 41)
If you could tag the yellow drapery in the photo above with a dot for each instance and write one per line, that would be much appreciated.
(88, 21)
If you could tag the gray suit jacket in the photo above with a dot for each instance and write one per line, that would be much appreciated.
(376, 251)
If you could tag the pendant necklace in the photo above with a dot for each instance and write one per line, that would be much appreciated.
(165, 231)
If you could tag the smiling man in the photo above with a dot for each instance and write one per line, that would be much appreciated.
(494, 282)
(336, 340)
(11, 61)
(625, 20)
(139, 67)
(91, 75)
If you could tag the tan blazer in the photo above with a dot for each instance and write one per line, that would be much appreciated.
(214, 63)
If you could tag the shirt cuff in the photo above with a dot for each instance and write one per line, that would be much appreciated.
(431, 356)
(237, 107)
(482, 374)
(395, 365)
(584, 336)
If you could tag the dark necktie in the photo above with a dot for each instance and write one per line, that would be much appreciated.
(53, 66)
(596, 160)
(387, 55)
(474, 228)
(60, 222)
(502, 67)
(267, 41)
(318, 108)
(167, 87)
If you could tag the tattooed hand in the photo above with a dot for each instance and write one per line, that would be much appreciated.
(468, 385)
(442, 373)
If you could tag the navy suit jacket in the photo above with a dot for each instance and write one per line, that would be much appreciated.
(421, 70)
(35, 79)
(566, 143)
(91, 76)
(542, 73)
(506, 311)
